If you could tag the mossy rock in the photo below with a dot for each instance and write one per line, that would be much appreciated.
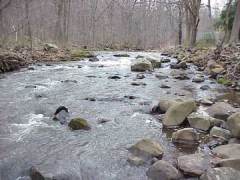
(224, 81)
(79, 53)
(79, 123)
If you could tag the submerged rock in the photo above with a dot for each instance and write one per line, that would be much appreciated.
(142, 65)
(185, 136)
(194, 164)
(222, 173)
(114, 77)
(140, 76)
(177, 113)
(146, 149)
(93, 59)
(233, 123)
(79, 123)
(121, 55)
(162, 170)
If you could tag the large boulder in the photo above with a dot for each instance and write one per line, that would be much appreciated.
(214, 69)
(220, 133)
(177, 113)
(162, 170)
(233, 123)
(221, 110)
(194, 164)
(142, 65)
(185, 136)
(199, 121)
(146, 149)
(79, 123)
(228, 151)
(222, 173)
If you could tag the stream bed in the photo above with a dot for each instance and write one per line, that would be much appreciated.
(29, 137)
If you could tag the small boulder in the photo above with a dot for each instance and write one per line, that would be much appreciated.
(233, 123)
(93, 59)
(198, 79)
(227, 151)
(140, 76)
(155, 63)
(185, 136)
(62, 115)
(221, 110)
(142, 65)
(220, 133)
(114, 77)
(222, 173)
(177, 113)
(136, 161)
(205, 87)
(50, 47)
(146, 149)
(162, 170)
(194, 164)
(199, 121)
(79, 123)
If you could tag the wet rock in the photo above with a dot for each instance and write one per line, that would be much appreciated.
(79, 123)
(31, 68)
(103, 121)
(206, 102)
(180, 75)
(69, 81)
(161, 77)
(181, 65)
(31, 86)
(142, 65)
(194, 164)
(199, 121)
(90, 99)
(139, 57)
(61, 114)
(227, 151)
(222, 173)
(79, 66)
(221, 110)
(164, 105)
(164, 86)
(155, 63)
(140, 76)
(162, 170)
(205, 87)
(185, 136)
(165, 54)
(232, 163)
(220, 133)
(233, 123)
(198, 79)
(93, 59)
(214, 142)
(121, 55)
(166, 60)
(114, 77)
(35, 174)
(146, 149)
(130, 97)
(138, 84)
(177, 113)
(91, 76)
(136, 161)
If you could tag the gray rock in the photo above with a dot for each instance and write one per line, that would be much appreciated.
(220, 133)
(228, 151)
(136, 161)
(205, 87)
(142, 65)
(221, 110)
(198, 79)
(232, 163)
(162, 170)
(177, 113)
(147, 149)
(185, 136)
(222, 173)
(233, 123)
(194, 164)
(199, 121)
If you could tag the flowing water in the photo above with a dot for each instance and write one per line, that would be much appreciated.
(28, 136)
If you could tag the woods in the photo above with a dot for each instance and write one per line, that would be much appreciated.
(138, 24)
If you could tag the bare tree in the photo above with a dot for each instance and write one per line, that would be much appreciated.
(235, 34)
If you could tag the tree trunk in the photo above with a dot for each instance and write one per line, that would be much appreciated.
(235, 35)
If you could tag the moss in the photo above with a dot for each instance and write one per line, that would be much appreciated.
(224, 81)
(79, 123)
(79, 53)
